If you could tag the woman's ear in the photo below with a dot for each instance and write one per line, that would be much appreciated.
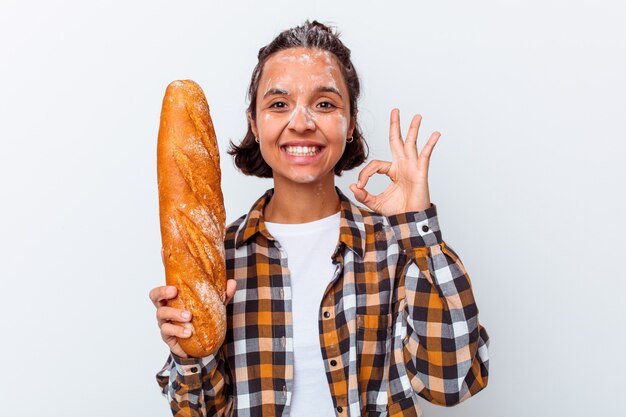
(252, 123)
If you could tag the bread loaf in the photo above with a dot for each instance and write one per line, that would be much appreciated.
(192, 214)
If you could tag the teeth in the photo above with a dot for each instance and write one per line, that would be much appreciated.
(302, 150)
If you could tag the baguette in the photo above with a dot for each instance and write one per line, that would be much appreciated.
(192, 216)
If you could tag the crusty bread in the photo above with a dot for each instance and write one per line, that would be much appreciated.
(192, 214)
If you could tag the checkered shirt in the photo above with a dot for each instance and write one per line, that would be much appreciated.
(397, 321)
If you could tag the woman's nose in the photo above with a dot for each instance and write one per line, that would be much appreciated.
(301, 119)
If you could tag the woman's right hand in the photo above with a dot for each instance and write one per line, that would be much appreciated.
(170, 332)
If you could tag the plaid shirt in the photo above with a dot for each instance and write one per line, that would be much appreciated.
(398, 320)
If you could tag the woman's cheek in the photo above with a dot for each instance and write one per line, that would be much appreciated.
(338, 124)
(344, 124)
(271, 123)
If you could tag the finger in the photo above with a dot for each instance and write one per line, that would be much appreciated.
(358, 189)
(160, 295)
(172, 314)
(410, 144)
(176, 330)
(395, 136)
(373, 167)
(361, 195)
(423, 161)
(231, 287)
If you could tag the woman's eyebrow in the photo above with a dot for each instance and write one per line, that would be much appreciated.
(328, 89)
(276, 91)
(320, 89)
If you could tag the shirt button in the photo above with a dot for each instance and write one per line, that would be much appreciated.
(424, 228)
(327, 314)
(194, 369)
(333, 363)
(339, 409)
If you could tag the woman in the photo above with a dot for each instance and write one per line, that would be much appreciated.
(336, 310)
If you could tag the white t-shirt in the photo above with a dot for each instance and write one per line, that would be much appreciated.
(309, 247)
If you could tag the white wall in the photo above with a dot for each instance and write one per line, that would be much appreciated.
(528, 176)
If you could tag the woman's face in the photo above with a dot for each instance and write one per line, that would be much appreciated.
(302, 115)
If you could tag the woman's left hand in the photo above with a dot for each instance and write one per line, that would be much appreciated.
(408, 172)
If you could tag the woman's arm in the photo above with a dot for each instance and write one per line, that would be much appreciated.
(444, 346)
(196, 387)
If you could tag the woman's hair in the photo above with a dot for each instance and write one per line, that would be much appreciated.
(309, 35)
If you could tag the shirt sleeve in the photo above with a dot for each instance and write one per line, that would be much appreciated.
(444, 346)
(195, 387)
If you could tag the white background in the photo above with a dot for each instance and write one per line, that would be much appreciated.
(528, 177)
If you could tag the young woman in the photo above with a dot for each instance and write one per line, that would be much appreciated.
(332, 309)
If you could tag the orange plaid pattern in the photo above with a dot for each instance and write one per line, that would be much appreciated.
(398, 321)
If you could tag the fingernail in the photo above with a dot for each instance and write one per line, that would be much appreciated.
(358, 184)
(186, 332)
(186, 315)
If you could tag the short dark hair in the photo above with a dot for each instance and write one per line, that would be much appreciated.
(314, 35)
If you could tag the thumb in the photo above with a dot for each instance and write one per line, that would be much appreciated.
(231, 287)
(361, 195)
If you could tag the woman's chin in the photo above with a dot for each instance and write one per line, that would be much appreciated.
(306, 179)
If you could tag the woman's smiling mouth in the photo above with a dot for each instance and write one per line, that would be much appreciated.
(302, 150)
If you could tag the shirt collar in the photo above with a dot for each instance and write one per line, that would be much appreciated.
(351, 226)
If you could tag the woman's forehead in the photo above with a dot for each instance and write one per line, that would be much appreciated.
(301, 65)
(302, 55)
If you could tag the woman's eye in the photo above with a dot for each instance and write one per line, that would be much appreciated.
(278, 105)
(326, 105)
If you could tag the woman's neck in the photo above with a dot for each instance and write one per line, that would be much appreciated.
(302, 203)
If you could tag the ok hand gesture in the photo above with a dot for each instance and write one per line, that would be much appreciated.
(408, 172)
